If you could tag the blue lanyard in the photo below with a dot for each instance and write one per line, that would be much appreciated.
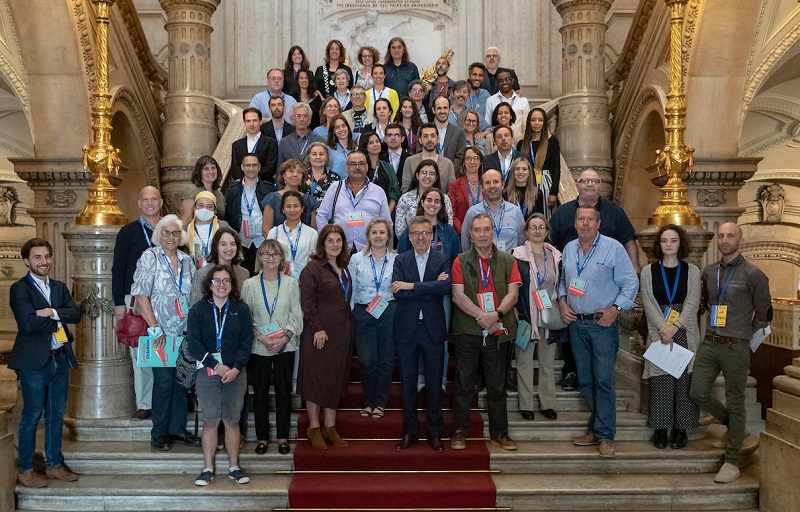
(219, 328)
(541, 277)
(248, 204)
(314, 181)
(344, 284)
(270, 310)
(352, 197)
(671, 295)
(255, 144)
(179, 283)
(727, 282)
(375, 273)
(144, 231)
(206, 245)
(41, 290)
(499, 226)
(376, 98)
(437, 239)
(293, 247)
(484, 277)
(473, 200)
(578, 265)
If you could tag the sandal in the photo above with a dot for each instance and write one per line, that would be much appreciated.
(377, 413)
(366, 412)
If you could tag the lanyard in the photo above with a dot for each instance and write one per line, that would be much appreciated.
(376, 98)
(293, 247)
(375, 273)
(205, 244)
(345, 285)
(541, 277)
(473, 200)
(219, 328)
(352, 197)
(533, 155)
(344, 150)
(41, 289)
(437, 239)
(484, 277)
(505, 165)
(247, 203)
(144, 231)
(499, 226)
(314, 181)
(578, 265)
(671, 295)
(179, 283)
(270, 310)
(255, 144)
(727, 282)
(303, 149)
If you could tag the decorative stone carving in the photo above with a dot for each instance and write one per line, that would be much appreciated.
(8, 205)
(711, 198)
(772, 199)
(61, 198)
(93, 305)
(79, 9)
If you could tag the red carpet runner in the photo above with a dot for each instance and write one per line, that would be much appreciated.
(376, 480)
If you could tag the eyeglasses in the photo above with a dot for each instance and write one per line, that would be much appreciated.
(427, 173)
(472, 158)
(470, 121)
(332, 105)
(419, 234)
(393, 135)
(224, 282)
(251, 166)
(537, 228)
(301, 116)
(357, 94)
(590, 181)
(416, 90)
(356, 165)
(167, 233)
(270, 255)
(506, 79)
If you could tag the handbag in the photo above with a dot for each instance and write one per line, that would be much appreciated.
(130, 328)
(550, 318)
(185, 367)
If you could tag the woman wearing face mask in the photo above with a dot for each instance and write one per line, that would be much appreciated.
(202, 227)
(380, 172)
(521, 189)
(426, 177)
(545, 153)
(319, 175)
(291, 176)
(341, 142)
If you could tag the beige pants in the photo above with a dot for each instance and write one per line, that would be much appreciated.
(546, 353)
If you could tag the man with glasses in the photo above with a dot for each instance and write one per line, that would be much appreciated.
(428, 137)
(491, 60)
(359, 116)
(253, 142)
(275, 88)
(486, 284)
(395, 153)
(294, 145)
(507, 94)
(420, 280)
(243, 212)
(353, 203)
(508, 222)
(276, 127)
(615, 225)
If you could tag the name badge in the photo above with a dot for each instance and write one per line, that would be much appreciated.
(718, 316)
(354, 219)
(377, 306)
(577, 287)
(61, 334)
(245, 228)
(486, 301)
(181, 306)
(671, 315)
(293, 269)
(210, 371)
(538, 177)
(542, 300)
(201, 262)
(501, 246)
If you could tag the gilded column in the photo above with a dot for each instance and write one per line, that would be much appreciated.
(583, 126)
(189, 128)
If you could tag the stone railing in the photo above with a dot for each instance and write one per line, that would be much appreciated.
(227, 117)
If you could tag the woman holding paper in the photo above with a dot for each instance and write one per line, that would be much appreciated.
(274, 300)
(373, 308)
(219, 337)
(538, 266)
(671, 296)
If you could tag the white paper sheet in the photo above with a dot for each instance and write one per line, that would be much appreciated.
(759, 336)
(672, 362)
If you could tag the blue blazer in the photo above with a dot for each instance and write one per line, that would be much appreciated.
(450, 242)
(427, 295)
(34, 333)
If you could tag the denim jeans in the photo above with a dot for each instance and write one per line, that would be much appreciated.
(169, 404)
(595, 350)
(43, 390)
(375, 346)
(470, 351)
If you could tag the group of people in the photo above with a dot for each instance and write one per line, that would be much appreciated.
(436, 212)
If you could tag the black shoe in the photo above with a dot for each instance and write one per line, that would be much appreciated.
(569, 382)
(680, 439)
(660, 438)
(261, 448)
(407, 442)
(185, 439)
(284, 449)
(550, 414)
(160, 443)
(526, 415)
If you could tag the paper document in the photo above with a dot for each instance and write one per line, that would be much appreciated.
(759, 336)
(671, 361)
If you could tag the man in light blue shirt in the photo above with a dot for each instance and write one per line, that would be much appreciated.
(275, 88)
(598, 281)
(477, 96)
(507, 219)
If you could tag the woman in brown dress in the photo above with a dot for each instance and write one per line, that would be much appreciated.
(326, 344)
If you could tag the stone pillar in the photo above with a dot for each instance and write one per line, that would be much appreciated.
(60, 189)
(780, 444)
(8, 478)
(189, 128)
(102, 385)
(583, 127)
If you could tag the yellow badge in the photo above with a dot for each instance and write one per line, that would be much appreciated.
(61, 334)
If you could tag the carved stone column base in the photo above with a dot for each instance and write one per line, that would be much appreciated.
(102, 386)
(8, 477)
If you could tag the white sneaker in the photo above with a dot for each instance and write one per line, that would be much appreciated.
(728, 473)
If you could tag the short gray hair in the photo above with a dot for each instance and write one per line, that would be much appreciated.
(169, 220)
(300, 105)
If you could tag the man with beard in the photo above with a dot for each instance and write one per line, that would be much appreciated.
(429, 141)
(276, 127)
(443, 85)
(452, 140)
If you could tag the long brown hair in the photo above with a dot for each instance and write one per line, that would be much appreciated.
(541, 152)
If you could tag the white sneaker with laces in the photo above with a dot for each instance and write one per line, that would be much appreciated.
(728, 473)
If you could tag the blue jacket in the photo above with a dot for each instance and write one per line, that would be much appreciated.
(427, 295)
(450, 242)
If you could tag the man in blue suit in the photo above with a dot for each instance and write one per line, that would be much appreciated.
(42, 356)
(420, 281)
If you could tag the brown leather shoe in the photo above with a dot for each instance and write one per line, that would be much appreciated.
(505, 442)
(587, 439)
(31, 479)
(61, 472)
(330, 435)
(607, 449)
(315, 438)
(141, 414)
(435, 442)
(407, 442)
(458, 441)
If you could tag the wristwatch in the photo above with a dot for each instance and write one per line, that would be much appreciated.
(618, 308)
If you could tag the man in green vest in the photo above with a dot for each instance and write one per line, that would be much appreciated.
(485, 287)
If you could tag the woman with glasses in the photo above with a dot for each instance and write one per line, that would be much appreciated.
(471, 123)
(334, 61)
(329, 109)
(307, 93)
(205, 176)
(425, 178)
(319, 176)
(380, 171)
(161, 284)
(373, 309)
(521, 188)
(341, 142)
(203, 227)
(291, 176)
(465, 191)
(408, 116)
(545, 154)
(367, 57)
(538, 266)
(219, 337)
(326, 344)
(382, 110)
(298, 239)
(274, 300)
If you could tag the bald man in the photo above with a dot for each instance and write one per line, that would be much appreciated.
(736, 295)
(131, 241)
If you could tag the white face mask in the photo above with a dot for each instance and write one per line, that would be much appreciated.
(204, 215)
